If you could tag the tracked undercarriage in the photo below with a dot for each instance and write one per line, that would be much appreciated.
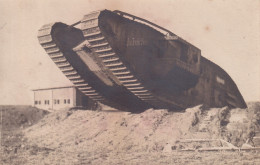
(130, 63)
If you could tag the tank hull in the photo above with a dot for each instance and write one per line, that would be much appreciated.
(130, 63)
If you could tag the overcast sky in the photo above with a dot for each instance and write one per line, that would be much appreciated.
(226, 31)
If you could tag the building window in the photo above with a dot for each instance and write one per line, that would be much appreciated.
(39, 102)
(48, 102)
(55, 102)
(35, 102)
(65, 101)
(58, 101)
(68, 101)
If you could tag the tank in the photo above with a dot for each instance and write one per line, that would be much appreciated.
(132, 64)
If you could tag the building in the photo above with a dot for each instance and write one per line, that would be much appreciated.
(59, 98)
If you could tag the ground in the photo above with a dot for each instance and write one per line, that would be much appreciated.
(33, 136)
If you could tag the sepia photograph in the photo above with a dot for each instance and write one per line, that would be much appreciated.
(129, 82)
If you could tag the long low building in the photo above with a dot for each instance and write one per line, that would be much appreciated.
(59, 97)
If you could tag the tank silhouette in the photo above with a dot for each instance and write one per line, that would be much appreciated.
(130, 63)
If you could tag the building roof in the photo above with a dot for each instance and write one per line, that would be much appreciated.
(53, 88)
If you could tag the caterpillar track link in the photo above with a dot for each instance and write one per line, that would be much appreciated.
(90, 78)
(57, 55)
(99, 45)
(128, 62)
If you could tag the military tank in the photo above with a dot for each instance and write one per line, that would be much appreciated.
(130, 63)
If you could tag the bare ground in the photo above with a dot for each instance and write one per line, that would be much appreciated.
(114, 137)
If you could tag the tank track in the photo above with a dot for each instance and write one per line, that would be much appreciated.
(99, 45)
(57, 56)
(116, 82)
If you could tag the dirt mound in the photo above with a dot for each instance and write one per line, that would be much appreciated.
(92, 135)
(151, 137)
(149, 130)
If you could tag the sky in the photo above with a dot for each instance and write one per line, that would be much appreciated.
(226, 31)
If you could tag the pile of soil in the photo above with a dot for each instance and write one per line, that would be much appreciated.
(116, 137)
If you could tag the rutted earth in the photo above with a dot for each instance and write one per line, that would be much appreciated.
(116, 137)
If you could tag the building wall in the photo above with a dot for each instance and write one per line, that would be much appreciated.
(40, 97)
(59, 98)
(63, 98)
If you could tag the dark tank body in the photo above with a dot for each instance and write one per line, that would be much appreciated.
(130, 63)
